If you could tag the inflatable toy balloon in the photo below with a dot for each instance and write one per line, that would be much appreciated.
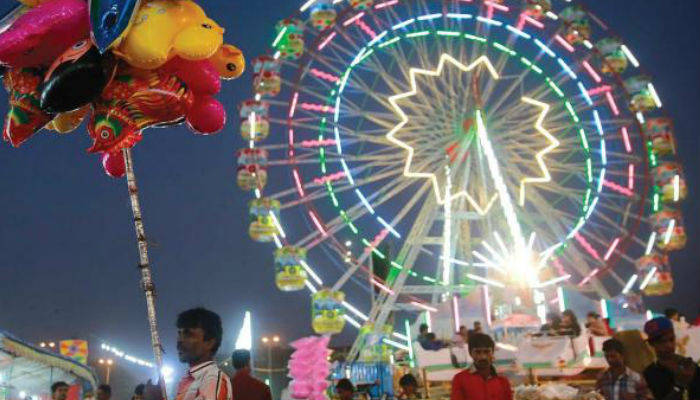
(200, 76)
(290, 274)
(262, 213)
(164, 29)
(110, 21)
(68, 121)
(327, 311)
(133, 101)
(75, 78)
(206, 116)
(41, 34)
(113, 164)
(25, 117)
(659, 131)
(229, 61)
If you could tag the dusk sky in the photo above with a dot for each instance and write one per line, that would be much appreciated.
(69, 258)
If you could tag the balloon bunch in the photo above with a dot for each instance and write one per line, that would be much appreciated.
(129, 64)
(309, 368)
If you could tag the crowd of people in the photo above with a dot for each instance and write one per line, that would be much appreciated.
(199, 335)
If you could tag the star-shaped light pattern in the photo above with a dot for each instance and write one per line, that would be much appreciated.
(391, 136)
(553, 143)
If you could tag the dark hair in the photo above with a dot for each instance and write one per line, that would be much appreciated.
(345, 384)
(209, 321)
(240, 358)
(105, 388)
(670, 312)
(477, 323)
(423, 328)
(593, 314)
(613, 345)
(480, 341)
(58, 385)
(407, 380)
(139, 389)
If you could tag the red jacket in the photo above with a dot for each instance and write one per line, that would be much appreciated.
(469, 385)
(245, 387)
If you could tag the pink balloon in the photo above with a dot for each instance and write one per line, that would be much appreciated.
(201, 76)
(113, 163)
(206, 116)
(41, 34)
(318, 396)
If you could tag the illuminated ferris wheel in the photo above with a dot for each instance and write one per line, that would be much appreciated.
(514, 144)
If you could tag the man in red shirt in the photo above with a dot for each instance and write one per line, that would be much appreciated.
(245, 387)
(480, 381)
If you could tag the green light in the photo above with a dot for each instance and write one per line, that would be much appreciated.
(503, 48)
(571, 111)
(536, 69)
(447, 33)
(589, 170)
(586, 199)
(429, 279)
(584, 141)
(389, 42)
(417, 34)
(367, 54)
(525, 61)
(477, 38)
(554, 87)
(656, 202)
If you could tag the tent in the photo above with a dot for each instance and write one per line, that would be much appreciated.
(27, 372)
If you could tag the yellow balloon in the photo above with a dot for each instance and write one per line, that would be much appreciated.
(67, 122)
(229, 61)
(163, 29)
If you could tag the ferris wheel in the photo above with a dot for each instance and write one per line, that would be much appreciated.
(512, 144)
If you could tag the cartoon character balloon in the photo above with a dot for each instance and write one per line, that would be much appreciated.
(24, 117)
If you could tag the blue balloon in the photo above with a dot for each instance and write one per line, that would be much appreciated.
(109, 19)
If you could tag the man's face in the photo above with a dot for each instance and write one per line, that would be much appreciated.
(61, 393)
(409, 389)
(477, 326)
(483, 357)
(137, 397)
(590, 319)
(665, 346)
(102, 395)
(614, 359)
(191, 346)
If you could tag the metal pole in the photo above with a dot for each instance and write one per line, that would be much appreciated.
(109, 369)
(144, 265)
(269, 365)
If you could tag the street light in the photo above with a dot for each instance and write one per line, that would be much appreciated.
(269, 342)
(107, 362)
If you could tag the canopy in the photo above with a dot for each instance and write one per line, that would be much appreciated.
(27, 371)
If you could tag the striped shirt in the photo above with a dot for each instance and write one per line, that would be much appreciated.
(628, 385)
(204, 382)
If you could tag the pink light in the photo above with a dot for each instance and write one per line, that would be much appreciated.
(317, 223)
(455, 308)
(366, 29)
(297, 181)
(620, 189)
(599, 90)
(497, 6)
(380, 236)
(589, 277)
(316, 107)
(626, 139)
(290, 135)
(630, 176)
(386, 4)
(423, 306)
(317, 143)
(533, 21)
(381, 286)
(326, 41)
(329, 178)
(564, 43)
(353, 18)
(323, 75)
(611, 102)
(587, 246)
(559, 267)
(591, 71)
(294, 104)
(487, 304)
(613, 245)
